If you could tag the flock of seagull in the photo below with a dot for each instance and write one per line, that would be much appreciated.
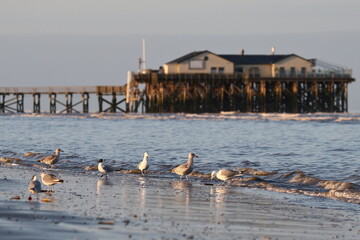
(185, 169)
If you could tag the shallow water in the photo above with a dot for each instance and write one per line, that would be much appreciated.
(315, 155)
(153, 207)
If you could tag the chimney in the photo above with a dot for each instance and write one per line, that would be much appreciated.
(242, 52)
(273, 50)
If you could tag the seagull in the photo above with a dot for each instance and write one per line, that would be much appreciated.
(143, 165)
(50, 179)
(225, 174)
(34, 187)
(105, 169)
(52, 159)
(186, 168)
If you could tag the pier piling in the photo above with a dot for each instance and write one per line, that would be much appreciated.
(198, 93)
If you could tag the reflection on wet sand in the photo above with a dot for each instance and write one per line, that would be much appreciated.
(218, 194)
(142, 181)
(100, 183)
(183, 194)
(181, 185)
(218, 197)
(142, 191)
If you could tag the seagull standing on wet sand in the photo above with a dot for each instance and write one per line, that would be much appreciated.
(186, 168)
(34, 187)
(50, 180)
(105, 169)
(143, 165)
(52, 159)
(225, 174)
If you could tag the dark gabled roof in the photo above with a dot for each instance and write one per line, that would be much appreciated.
(254, 59)
(188, 56)
(239, 59)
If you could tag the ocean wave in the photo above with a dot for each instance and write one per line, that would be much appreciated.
(318, 117)
(310, 186)
(292, 182)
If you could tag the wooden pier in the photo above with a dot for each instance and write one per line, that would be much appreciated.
(61, 99)
(192, 93)
(212, 93)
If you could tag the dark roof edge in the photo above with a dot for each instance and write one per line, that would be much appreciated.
(189, 55)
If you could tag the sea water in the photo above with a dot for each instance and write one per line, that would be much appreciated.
(314, 155)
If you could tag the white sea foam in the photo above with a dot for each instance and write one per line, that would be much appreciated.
(319, 117)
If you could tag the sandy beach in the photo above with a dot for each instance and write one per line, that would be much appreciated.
(129, 206)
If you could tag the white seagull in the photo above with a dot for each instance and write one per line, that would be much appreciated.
(34, 187)
(225, 174)
(143, 165)
(104, 169)
(50, 180)
(186, 168)
(52, 159)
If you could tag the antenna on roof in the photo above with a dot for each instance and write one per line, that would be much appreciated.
(273, 50)
(142, 60)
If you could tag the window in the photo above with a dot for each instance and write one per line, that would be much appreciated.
(303, 71)
(221, 70)
(254, 72)
(292, 72)
(282, 72)
(239, 69)
(196, 64)
(213, 70)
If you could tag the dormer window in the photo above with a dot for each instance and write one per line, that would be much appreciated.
(197, 64)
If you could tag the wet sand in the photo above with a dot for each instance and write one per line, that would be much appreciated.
(129, 206)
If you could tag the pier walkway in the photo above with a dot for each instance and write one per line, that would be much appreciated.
(12, 98)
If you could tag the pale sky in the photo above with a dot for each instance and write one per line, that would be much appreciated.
(193, 17)
(88, 42)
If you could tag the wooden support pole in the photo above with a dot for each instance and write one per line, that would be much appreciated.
(262, 96)
(184, 95)
(113, 103)
(100, 100)
(222, 96)
(85, 102)
(331, 96)
(345, 97)
(36, 103)
(315, 97)
(52, 97)
(248, 93)
(294, 99)
(278, 96)
(68, 102)
(2, 102)
(20, 102)
(161, 97)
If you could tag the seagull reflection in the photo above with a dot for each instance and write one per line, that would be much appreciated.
(181, 185)
(142, 191)
(219, 194)
(101, 183)
(142, 181)
(183, 189)
(218, 202)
